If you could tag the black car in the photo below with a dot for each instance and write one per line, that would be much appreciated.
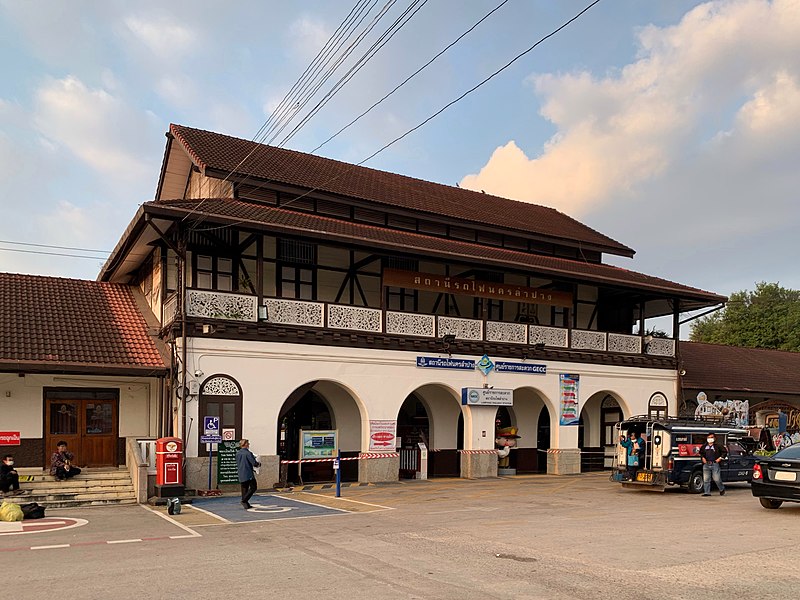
(776, 479)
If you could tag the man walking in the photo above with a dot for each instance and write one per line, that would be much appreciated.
(245, 462)
(712, 454)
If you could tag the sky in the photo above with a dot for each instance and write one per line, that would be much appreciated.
(672, 126)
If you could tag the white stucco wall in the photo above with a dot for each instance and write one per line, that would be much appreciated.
(22, 401)
(379, 381)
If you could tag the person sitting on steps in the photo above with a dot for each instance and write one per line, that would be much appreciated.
(9, 478)
(61, 466)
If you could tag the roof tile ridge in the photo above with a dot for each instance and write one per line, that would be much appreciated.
(175, 130)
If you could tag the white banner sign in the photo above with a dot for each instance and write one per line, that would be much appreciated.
(382, 435)
(487, 397)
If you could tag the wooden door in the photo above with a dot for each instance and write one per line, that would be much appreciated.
(89, 427)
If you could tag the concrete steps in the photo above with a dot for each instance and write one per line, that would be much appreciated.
(93, 487)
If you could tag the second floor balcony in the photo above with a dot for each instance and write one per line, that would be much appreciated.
(218, 307)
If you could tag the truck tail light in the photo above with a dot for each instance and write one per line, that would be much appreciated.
(757, 474)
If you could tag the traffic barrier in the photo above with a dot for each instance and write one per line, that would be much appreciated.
(362, 456)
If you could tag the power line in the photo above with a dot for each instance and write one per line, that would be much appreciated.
(51, 246)
(51, 253)
(438, 112)
(414, 74)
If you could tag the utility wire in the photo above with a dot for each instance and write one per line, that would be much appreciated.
(414, 74)
(437, 113)
(329, 73)
(356, 16)
(384, 39)
(51, 253)
(56, 247)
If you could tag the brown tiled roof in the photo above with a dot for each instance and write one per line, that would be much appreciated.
(251, 213)
(731, 368)
(63, 325)
(225, 153)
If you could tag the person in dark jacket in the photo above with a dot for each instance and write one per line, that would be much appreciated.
(9, 478)
(712, 454)
(61, 466)
(245, 462)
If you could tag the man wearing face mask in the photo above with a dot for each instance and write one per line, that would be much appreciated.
(9, 478)
(712, 454)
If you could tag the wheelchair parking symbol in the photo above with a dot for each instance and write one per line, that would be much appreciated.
(268, 508)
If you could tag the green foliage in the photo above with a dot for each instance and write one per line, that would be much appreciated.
(768, 317)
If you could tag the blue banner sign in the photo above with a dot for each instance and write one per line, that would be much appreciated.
(515, 367)
(434, 362)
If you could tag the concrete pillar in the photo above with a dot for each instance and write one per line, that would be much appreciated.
(563, 461)
(476, 466)
(378, 470)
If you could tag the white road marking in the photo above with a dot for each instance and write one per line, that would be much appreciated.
(192, 532)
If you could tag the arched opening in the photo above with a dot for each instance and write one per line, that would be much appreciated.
(596, 433)
(531, 416)
(315, 420)
(413, 428)
(431, 414)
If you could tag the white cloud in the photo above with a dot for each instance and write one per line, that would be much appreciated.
(167, 39)
(729, 68)
(99, 128)
(307, 36)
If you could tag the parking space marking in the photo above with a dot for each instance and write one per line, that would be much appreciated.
(191, 532)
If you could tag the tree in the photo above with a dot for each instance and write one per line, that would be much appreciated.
(768, 317)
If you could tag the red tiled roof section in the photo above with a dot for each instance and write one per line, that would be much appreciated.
(240, 211)
(224, 153)
(71, 321)
(715, 367)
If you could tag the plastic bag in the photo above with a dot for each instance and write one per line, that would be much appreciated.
(11, 512)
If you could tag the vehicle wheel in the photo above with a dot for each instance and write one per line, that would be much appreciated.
(695, 484)
(767, 503)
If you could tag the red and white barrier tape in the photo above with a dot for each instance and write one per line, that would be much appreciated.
(362, 456)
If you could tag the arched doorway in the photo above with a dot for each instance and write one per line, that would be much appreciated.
(331, 412)
(413, 428)
(531, 415)
(431, 414)
(596, 434)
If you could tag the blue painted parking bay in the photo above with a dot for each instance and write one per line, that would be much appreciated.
(264, 507)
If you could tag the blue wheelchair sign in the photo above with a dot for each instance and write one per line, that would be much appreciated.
(211, 425)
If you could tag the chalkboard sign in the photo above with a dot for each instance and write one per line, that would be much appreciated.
(226, 463)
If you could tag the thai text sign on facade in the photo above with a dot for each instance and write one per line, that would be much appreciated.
(487, 397)
(382, 435)
(318, 444)
(430, 282)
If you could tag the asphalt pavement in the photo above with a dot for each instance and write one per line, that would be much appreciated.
(524, 537)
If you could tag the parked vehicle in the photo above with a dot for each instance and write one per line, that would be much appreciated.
(671, 453)
(776, 478)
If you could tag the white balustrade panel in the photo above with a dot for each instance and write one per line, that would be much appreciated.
(358, 318)
(401, 323)
(221, 305)
(581, 339)
(463, 329)
(295, 312)
(629, 344)
(514, 333)
(549, 336)
(660, 347)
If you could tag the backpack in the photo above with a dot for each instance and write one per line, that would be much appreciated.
(32, 511)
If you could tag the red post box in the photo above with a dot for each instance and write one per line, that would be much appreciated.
(169, 467)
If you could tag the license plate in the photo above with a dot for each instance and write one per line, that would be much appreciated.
(785, 476)
(648, 477)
